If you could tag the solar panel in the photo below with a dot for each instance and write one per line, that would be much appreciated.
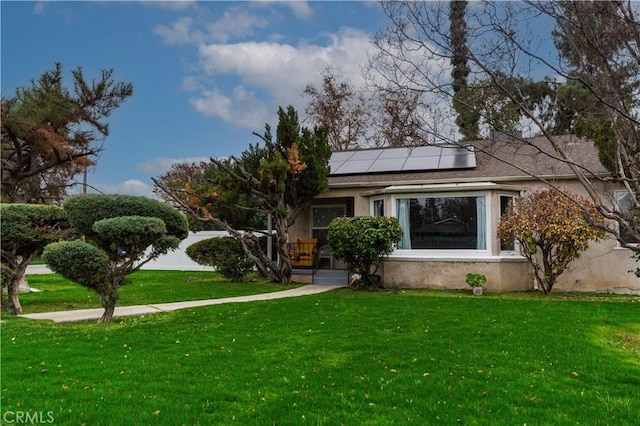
(383, 160)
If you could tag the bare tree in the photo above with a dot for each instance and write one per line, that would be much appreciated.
(596, 51)
(341, 108)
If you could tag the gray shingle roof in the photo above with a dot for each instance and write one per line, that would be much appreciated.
(499, 161)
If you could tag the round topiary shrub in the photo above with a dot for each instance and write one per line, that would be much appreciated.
(223, 253)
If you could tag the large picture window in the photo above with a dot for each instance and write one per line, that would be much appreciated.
(444, 223)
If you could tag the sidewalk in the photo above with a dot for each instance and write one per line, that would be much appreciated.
(95, 314)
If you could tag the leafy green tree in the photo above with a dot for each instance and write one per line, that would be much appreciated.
(26, 230)
(223, 253)
(279, 179)
(551, 231)
(50, 133)
(363, 242)
(121, 234)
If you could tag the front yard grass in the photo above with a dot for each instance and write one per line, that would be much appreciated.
(144, 287)
(344, 357)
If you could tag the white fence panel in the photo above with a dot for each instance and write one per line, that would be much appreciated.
(178, 260)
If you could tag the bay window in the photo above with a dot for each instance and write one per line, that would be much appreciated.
(442, 222)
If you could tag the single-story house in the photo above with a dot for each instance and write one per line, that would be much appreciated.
(449, 201)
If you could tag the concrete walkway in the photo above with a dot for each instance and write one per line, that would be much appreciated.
(95, 314)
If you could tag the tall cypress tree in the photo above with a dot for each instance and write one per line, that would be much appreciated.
(467, 119)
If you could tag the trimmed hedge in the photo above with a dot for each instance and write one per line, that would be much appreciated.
(87, 209)
(223, 253)
(78, 261)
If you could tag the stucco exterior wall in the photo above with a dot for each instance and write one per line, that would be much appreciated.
(502, 274)
(604, 267)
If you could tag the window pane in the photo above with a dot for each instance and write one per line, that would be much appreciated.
(322, 216)
(378, 207)
(442, 223)
(625, 204)
(506, 245)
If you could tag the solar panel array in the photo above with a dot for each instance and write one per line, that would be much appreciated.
(383, 160)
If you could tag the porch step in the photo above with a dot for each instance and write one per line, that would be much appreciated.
(331, 277)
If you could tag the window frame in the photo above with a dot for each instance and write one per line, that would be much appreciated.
(313, 228)
(515, 248)
(443, 253)
(372, 208)
(619, 194)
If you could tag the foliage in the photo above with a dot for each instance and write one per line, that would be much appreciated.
(225, 254)
(589, 86)
(551, 230)
(279, 179)
(339, 107)
(26, 229)
(122, 233)
(178, 176)
(363, 242)
(51, 133)
(475, 280)
(356, 117)
(79, 262)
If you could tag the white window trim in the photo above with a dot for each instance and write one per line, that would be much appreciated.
(619, 193)
(463, 254)
(384, 206)
(516, 247)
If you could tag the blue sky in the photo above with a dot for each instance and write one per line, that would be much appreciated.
(205, 74)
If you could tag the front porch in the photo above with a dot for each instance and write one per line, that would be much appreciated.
(321, 276)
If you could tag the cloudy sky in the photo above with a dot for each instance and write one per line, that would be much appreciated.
(205, 74)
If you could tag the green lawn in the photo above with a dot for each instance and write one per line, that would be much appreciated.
(144, 287)
(344, 357)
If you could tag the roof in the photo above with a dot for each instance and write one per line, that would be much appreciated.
(496, 161)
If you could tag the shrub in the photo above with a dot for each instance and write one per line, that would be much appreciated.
(551, 230)
(122, 233)
(223, 253)
(475, 280)
(363, 242)
(26, 229)
(81, 262)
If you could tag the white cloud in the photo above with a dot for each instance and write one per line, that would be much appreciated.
(128, 187)
(160, 165)
(39, 7)
(276, 70)
(235, 22)
(300, 8)
(178, 33)
(171, 5)
(241, 108)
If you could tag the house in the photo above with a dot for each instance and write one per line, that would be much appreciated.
(449, 201)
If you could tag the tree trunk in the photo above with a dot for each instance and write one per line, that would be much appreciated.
(109, 298)
(13, 299)
(13, 288)
(109, 309)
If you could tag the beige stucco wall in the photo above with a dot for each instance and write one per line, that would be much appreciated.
(603, 268)
(502, 274)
